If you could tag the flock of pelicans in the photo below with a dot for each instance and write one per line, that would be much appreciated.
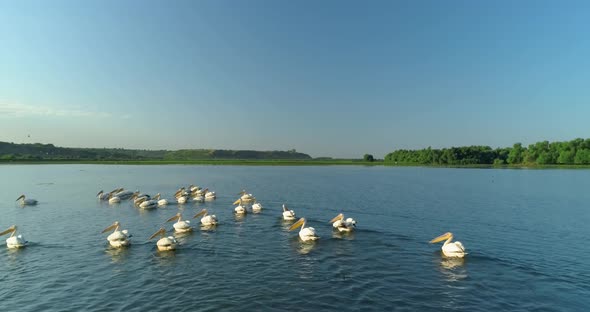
(121, 238)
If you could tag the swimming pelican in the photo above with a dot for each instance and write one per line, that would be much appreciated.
(198, 192)
(288, 214)
(206, 219)
(240, 209)
(164, 243)
(124, 194)
(342, 225)
(306, 233)
(256, 207)
(161, 201)
(181, 226)
(245, 197)
(450, 249)
(147, 204)
(210, 195)
(193, 188)
(118, 238)
(26, 201)
(102, 195)
(199, 198)
(14, 241)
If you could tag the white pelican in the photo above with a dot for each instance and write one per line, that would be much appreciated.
(245, 197)
(193, 188)
(198, 192)
(182, 199)
(206, 219)
(256, 207)
(306, 233)
(26, 201)
(102, 195)
(199, 198)
(288, 214)
(17, 241)
(342, 225)
(117, 238)
(240, 209)
(161, 201)
(147, 204)
(166, 242)
(210, 195)
(123, 194)
(181, 226)
(450, 249)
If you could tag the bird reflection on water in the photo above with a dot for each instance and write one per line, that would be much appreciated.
(454, 269)
(118, 255)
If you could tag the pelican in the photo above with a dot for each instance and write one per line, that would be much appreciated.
(17, 241)
(256, 207)
(181, 226)
(240, 209)
(206, 219)
(138, 198)
(147, 204)
(114, 199)
(210, 195)
(123, 194)
(161, 202)
(288, 214)
(102, 195)
(450, 249)
(165, 243)
(306, 233)
(342, 225)
(26, 201)
(199, 198)
(118, 238)
(198, 191)
(245, 197)
(193, 188)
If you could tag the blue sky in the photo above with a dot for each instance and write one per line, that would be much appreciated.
(328, 78)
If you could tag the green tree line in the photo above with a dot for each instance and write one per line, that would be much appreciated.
(572, 152)
(47, 152)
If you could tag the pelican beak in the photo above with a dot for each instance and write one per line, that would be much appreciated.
(441, 238)
(22, 196)
(336, 218)
(235, 203)
(9, 230)
(112, 226)
(201, 213)
(99, 193)
(176, 217)
(297, 224)
(161, 231)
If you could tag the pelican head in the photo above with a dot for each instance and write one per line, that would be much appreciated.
(300, 222)
(100, 193)
(11, 229)
(339, 217)
(201, 213)
(20, 197)
(285, 208)
(446, 236)
(157, 196)
(178, 216)
(113, 226)
(161, 231)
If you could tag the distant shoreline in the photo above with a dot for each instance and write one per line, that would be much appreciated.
(282, 162)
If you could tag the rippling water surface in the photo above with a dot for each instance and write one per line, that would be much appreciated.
(526, 233)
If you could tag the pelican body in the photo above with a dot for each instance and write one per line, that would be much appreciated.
(207, 219)
(240, 209)
(14, 241)
(245, 197)
(161, 201)
(343, 225)
(26, 201)
(165, 243)
(210, 195)
(181, 226)
(450, 249)
(118, 238)
(288, 214)
(256, 207)
(306, 233)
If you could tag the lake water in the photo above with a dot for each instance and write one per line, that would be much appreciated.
(526, 232)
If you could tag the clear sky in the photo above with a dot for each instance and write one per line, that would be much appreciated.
(328, 78)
